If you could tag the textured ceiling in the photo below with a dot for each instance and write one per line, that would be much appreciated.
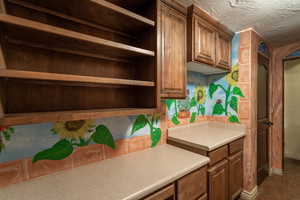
(278, 21)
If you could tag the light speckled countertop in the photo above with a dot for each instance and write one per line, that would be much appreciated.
(128, 177)
(207, 135)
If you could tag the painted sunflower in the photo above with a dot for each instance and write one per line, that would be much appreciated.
(73, 129)
(200, 94)
(233, 77)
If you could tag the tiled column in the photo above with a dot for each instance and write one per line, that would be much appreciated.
(246, 111)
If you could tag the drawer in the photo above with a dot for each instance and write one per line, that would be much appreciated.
(192, 186)
(165, 193)
(204, 197)
(218, 155)
(236, 146)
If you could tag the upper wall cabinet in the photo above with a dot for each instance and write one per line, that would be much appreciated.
(173, 50)
(204, 41)
(208, 43)
(223, 50)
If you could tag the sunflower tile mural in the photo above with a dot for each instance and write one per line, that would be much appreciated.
(214, 95)
(57, 141)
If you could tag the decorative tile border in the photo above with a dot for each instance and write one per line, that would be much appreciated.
(24, 170)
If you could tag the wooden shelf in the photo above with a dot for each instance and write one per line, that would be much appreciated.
(77, 60)
(7, 73)
(92, 12)
(124, 12)
(40, 117)
(103, 45)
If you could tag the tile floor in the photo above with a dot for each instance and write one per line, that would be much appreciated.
(286, 187)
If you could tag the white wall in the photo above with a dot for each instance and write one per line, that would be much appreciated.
(292, 109)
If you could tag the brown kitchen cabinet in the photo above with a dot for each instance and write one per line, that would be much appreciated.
(193, 185)
(225, 172)
(235, 169)
(223, 50)
(204, 41)
(190, 187)
(167, 193)
(218, 181)
(173, 50)
(208, 42)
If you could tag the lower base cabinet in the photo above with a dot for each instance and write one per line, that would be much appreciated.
(218, 181)
(225, 172)
(193, 185)
(235, 175)
(190, 187)
(168, 193)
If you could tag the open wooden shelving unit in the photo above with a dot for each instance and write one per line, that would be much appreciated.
(85, 60)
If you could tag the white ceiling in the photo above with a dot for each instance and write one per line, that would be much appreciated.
(278, 21)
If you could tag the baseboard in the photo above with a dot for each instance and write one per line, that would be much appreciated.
(249, 195)
(292, 156)
(277, 171)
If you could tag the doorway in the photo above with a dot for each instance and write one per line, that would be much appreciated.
(263, 122)
(291, 109)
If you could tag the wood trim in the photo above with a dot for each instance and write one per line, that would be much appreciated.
(172, 95)
(291, 58)
(39, 117)
(6, 73)
(158, 55)
(72, 34)
(176, 5)
(3, 66)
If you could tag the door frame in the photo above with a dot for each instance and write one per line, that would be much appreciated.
(277, 105)
(284, 60)
(265, 59)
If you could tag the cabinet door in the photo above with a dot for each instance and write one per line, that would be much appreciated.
(173, 55)
(167, 193)
(192, 186)
(235, 175)
(204, 41)
(218, 181)
(223, 51)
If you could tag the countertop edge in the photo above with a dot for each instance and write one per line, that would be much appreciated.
(206, 148)
(167, 178)
(167, 181)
